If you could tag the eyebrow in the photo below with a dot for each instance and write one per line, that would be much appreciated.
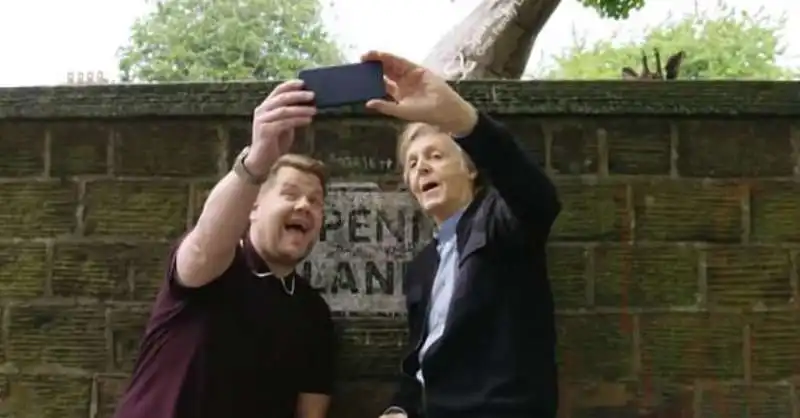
(288, 185)
(296, 187)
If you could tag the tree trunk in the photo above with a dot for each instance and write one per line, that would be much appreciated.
(494, 41)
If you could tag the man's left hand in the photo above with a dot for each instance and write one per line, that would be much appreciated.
(421, 96)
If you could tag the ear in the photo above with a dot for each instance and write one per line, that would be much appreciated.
(469, 166)
(254, 211)
(257, 204)
(629, 74)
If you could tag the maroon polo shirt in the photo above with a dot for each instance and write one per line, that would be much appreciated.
(238, 347)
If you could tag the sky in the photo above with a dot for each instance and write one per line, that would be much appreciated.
(42, 40)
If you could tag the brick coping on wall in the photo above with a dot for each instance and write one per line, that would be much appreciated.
(545, 98)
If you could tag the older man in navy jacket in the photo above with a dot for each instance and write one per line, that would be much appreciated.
(480, 308)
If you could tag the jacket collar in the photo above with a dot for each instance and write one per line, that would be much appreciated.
(469, 212)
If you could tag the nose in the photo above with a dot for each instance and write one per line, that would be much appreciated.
(302, 204)
(423, 167)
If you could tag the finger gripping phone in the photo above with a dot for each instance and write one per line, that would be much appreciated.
(342, 85)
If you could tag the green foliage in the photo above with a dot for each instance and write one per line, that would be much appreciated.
(732, 45)
(223, 40)
(615, 9)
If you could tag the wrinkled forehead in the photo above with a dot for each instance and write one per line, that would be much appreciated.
(428, 142)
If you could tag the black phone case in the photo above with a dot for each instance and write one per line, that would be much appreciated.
(345, 84)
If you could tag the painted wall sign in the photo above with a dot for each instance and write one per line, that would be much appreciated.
(367, 238)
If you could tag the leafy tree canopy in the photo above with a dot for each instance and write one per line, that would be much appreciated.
(223, 40)
(731, 45)
(615, 9)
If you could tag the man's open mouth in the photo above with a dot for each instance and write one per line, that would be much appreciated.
(429, 186)
(297, 226)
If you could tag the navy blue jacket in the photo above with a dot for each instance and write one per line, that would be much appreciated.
(496, 358)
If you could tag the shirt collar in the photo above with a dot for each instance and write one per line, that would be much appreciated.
(254, 261)
(448, 228)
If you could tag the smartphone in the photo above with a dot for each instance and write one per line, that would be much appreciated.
(345, 84)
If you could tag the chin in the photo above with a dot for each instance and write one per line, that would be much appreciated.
(295, 255)
(289, 258)
(432, 207)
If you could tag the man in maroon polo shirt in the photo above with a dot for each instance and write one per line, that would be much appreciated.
(235, 332)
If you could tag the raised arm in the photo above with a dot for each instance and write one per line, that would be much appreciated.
(525, 188)
(208, 250)
(422, 96)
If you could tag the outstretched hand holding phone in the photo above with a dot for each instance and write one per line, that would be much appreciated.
(421, 96)
(395, 87)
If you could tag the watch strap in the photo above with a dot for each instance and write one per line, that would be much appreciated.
(241, 171)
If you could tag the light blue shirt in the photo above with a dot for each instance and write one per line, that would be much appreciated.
(443, 285)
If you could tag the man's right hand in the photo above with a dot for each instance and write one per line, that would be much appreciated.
(286, 108)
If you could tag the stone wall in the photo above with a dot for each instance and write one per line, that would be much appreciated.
(674, 262)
